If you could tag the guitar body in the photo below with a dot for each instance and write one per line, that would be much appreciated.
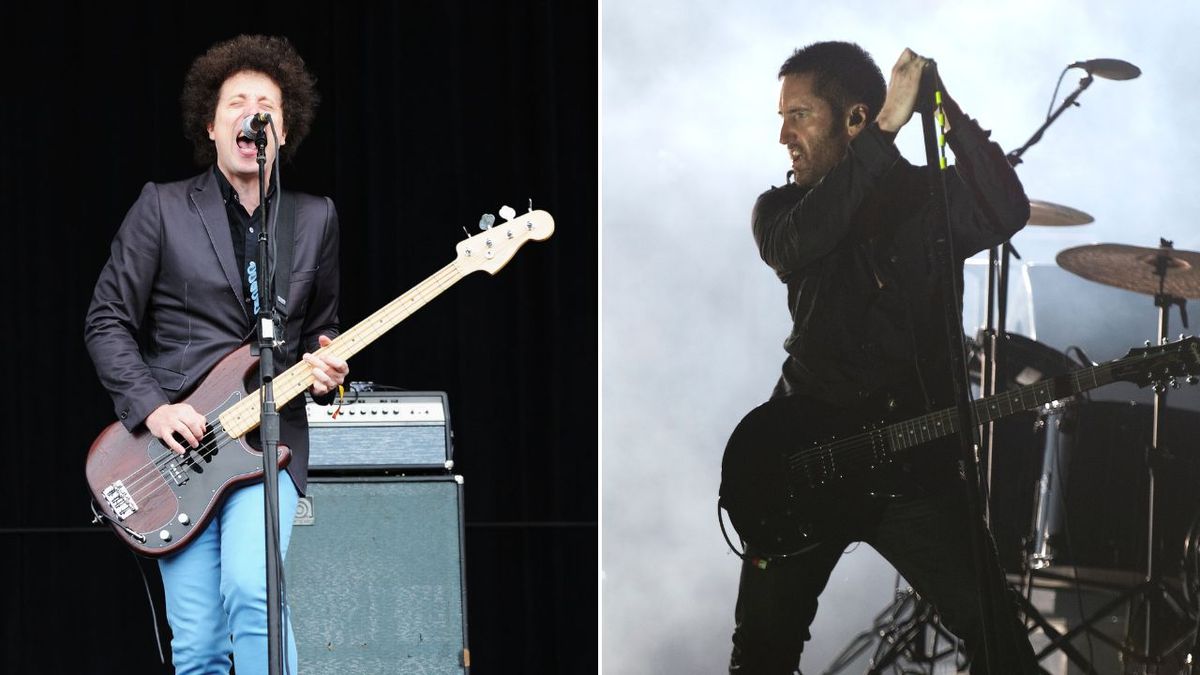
(794, 467)
(780, 505)
(156, 500)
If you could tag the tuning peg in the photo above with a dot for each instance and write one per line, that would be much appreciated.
(1174, 383)
(1147, 343)
(466, 232)
(530, 205)
(507, 212)
(486, 221)
(1192, 379)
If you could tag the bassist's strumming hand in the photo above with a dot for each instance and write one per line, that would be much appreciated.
(179, 418)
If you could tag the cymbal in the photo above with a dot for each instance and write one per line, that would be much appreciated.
(1046, 213)
(1134, 268)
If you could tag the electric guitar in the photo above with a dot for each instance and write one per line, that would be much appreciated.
(789, 457)
(156, 500)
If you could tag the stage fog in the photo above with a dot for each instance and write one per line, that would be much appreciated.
(693, 322)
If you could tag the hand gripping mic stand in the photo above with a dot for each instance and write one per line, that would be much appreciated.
(901, 639)
(943, 260)
(269, 427)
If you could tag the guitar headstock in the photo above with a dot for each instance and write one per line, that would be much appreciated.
(1159, 365)
(493, 248)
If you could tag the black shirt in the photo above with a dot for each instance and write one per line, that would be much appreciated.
(866, 307)
(244, 229)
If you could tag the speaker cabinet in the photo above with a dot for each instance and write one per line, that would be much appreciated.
(374, 574)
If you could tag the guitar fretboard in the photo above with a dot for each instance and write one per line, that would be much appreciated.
(944, 422)
(837, 459)
(244, 416)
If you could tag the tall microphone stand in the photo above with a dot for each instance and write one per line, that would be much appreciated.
(944, 266)
(1014, 157)
(269, 426)
(995, 334)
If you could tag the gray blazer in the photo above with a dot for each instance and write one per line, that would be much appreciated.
(169, 301)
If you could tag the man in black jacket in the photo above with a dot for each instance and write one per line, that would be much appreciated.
(179, 292)
(849, 237)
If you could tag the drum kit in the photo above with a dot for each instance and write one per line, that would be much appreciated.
(1095, 495)
(1087, 495)
(1084, 496)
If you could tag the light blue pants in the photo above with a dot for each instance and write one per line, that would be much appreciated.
(216, 587)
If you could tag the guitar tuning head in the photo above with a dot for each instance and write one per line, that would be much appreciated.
(486, 221)
(507, 212)
(530, 204)
(1192, 379)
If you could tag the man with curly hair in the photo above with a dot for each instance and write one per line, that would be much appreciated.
(180, 291)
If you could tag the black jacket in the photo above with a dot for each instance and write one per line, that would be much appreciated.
(854, 253)
(169, 302)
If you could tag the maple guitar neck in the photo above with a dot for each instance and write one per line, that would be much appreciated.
(488, 251)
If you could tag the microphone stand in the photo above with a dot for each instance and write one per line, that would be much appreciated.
(1014, 157)
(995, 334)
(269, 426)
(943, 259)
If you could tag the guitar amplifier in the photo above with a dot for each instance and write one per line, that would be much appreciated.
(375, 576)
(376, 431)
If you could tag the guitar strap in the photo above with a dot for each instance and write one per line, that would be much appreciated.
(284, 244)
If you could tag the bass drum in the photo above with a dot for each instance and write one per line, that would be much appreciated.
(1022, 361)
(1091, 507)
(1070, 486)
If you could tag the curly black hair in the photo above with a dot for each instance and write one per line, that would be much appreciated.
(845, 74)
(272, 56)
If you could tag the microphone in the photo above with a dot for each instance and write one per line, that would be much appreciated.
(253, 125)
(1109, 69)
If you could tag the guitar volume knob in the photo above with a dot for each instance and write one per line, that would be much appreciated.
(165, 535)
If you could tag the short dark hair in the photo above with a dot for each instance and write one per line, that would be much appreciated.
(272, 56)
(844, 74)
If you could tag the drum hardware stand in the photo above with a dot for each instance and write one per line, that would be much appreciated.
(1145, 650)
(902, 631)
(1191, 588)
(1157, 455)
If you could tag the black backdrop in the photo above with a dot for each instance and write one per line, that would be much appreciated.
(432, 114)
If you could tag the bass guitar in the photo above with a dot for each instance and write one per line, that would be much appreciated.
(157, 501)
(789, 458)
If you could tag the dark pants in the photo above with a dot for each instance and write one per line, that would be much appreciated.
(925, 538)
